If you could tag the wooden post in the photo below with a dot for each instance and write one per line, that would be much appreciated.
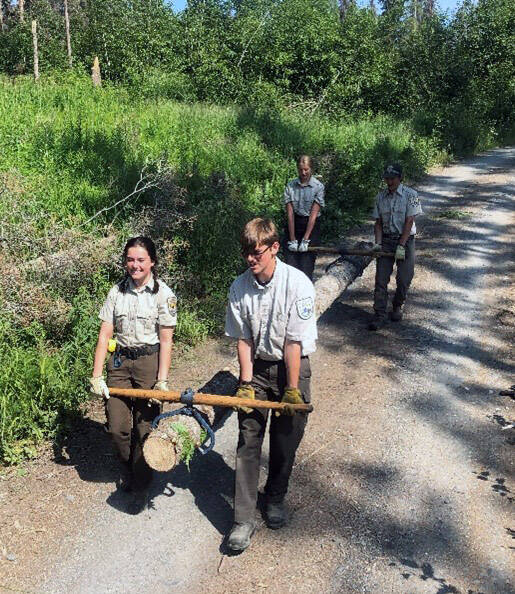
(95, 73)
(67, 26)
(35, 43)
(21, 8)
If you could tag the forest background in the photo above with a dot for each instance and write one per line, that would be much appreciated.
(194, 130)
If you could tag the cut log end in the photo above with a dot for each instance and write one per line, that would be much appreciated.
(159, 453)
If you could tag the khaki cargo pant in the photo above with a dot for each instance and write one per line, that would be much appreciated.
(129, 419)
(404, 276)
(269, 381)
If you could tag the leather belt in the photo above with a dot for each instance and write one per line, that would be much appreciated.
(135, 352)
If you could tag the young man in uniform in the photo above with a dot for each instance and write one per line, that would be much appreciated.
(395, 210)
(271, 313)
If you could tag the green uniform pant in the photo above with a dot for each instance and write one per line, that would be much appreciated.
(129, 419)
(384, 268)
(269, 381)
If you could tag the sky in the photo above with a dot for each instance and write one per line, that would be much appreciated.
(443, 4)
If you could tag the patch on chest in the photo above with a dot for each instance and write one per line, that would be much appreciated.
(305, 308)
(171, 302)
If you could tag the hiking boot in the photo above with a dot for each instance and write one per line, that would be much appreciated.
(139, 502)
(377, 323)
(239, 537)
(275, 515)
(124, 483)
(396, 315)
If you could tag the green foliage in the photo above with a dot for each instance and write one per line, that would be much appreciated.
(288, 77)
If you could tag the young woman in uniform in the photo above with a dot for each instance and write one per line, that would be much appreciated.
(141, 311)
(303, 199)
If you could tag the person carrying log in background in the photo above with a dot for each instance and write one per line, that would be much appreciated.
(303, 200)
(142, 310)
(271, 313)
(394, 212)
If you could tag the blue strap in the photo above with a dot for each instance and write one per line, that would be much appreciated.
(190, 411)
(187, 397)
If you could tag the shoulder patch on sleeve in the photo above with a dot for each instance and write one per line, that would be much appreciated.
(305, 308)
(413, 199)
(171, 303)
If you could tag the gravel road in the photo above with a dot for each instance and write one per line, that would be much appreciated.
(404, 481)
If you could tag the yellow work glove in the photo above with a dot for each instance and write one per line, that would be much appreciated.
(245, 390)
(98, 387)
(161, 385)
(290, 396)
(400, 252)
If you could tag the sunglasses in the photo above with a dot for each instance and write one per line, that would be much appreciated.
(255, 254)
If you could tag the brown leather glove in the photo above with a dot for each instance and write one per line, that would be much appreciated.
(291, 396)
(245, 390)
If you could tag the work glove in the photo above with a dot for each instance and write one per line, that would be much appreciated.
(400, 252)
(377, 247)
(293, 246)
(290, 396)
(98, 387)
(245, 390)
(159, 385)
(304, 244)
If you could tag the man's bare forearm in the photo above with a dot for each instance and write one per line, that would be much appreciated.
(246, 359)
(378, 231)
(292, 354)
(406, 230)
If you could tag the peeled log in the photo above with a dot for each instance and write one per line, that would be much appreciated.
(163, 447)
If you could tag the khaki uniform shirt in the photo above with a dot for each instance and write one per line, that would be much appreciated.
(283, 309)
(137, 314)
(303, 196)
(393, 209)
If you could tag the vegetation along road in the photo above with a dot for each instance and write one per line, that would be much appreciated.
(403, 482)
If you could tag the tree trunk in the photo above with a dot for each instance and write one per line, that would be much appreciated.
(35, 43)
(21, 9)
(67, 26)
(163, 449)
(95, 73)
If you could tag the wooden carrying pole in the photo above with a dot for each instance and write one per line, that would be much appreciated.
(345, 252)
(209, 399)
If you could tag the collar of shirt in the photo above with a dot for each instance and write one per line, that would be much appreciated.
(397, 191)
(148, 287)
(278, 270)
(309, 183)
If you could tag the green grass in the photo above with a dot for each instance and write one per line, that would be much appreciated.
(69, 150)
(454, 214)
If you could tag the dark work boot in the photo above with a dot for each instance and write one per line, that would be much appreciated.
(275, 515)
(139, 502)
(377, 323)
(396, 315)
(239, 537)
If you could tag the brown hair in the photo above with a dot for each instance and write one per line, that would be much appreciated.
(258, 232)
(307, 159)
(150, 247)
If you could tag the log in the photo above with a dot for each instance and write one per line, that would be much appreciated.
(350, 252)
(175, 440)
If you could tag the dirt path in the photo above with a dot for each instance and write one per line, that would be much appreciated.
(403, 483)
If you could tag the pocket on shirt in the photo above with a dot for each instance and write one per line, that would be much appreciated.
(146, 323)
(122, 324)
